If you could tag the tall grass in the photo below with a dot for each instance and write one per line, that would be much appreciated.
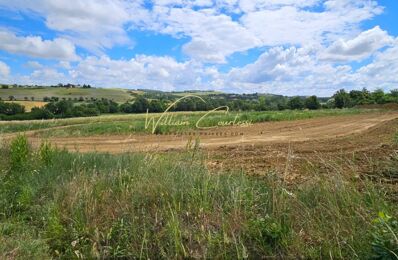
(69, 205)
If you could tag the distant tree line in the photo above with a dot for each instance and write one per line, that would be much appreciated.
(156, 101)
(353, 98)
(60, 85)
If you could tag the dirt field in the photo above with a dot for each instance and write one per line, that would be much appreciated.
(275, 133)
(286, 147)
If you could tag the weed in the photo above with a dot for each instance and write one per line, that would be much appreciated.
(46, 153)
(385, 237)
(19, 152)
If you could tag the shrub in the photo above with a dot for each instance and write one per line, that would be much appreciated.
(296, 103)
(385, 237)
(46, 153)
(312, 103)
(19, 152)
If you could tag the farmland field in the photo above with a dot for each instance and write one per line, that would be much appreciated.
(290, 184)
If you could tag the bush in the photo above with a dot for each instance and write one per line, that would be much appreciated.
(46, 153)
(312, 103)
(19, 152)
(11, 108)
(385, 237)
(296, 103)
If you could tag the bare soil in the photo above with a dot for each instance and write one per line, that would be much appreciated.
(309, 131)
(285, 147)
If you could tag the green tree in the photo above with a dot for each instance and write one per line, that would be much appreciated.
(394, 93)
(296, 103)
(312, 103)
(342, 99)
(378, 96)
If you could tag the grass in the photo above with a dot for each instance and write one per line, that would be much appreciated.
(396, 138)
(118, 95)
(135, 123)
(67, 205)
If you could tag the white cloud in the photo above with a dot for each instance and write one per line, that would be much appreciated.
(4, 69)
(296, 26)
(35, 46)
(33, 65)
(303, 39)
(163, 73)
(213, 36)
(89, 23)
(382, 71)
(364, 45)
(277, 64)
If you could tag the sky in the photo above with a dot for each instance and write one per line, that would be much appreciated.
(288, 47)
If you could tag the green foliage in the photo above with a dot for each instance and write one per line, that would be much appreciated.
(312, 103)
(385, 237)
(46, 153)
(342, 99)
(11, 108)
(269, 232)
(19, 152)
(296, 103)
(379, 97)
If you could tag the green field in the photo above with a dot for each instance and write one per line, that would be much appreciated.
(118, 95)
(135, 123)
(55, 204)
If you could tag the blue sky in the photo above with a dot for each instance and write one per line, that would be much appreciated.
(285, 47)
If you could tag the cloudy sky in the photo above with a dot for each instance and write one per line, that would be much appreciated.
(272, 46)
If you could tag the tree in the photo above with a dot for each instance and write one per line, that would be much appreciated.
(11, 98)
(140, 105)
(295, 103)
(155, 106)
(41, 113)
(394, 93)
(342, 99)
(11, 108)
(312, 103)
(62, 108)
(378, 96)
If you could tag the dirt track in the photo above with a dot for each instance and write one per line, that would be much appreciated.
(314, 131)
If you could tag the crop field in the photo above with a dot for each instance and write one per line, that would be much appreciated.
(290, 184)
